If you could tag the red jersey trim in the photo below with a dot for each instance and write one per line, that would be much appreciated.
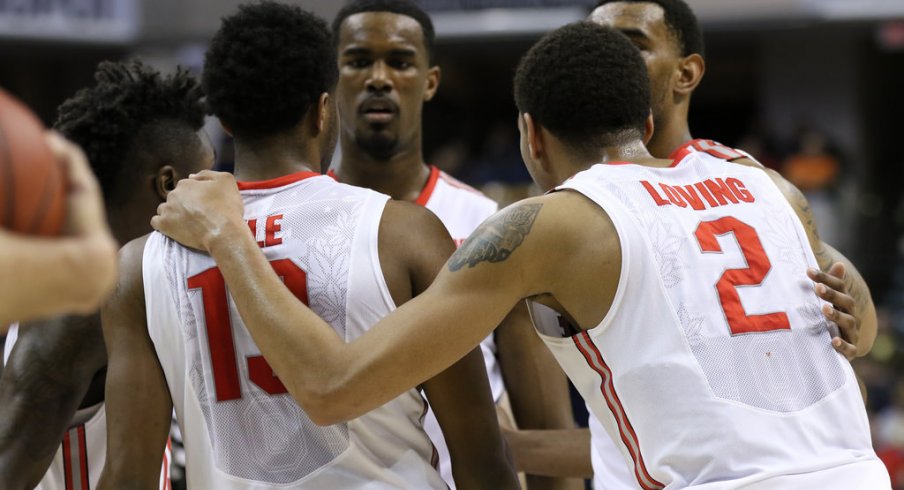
(332, 175)
(277, 182)
(710, 147)
(595, 361)
(427, 191)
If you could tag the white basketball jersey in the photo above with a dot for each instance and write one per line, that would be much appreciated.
(461, 209)
(80, 459)
(714, 368)
(240, 427)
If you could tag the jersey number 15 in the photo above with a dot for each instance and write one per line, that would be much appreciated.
(219, 331)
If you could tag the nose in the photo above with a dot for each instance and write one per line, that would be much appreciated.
(379, 79)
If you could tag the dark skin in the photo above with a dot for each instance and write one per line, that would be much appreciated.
(673, 79)
(413, 245)
(385, 77)
(59, 365)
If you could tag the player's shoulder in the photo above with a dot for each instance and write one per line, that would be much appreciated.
(462, 194)
(131, 263)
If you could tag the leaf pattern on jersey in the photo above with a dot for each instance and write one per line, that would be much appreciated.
(326, 260)
(692, 326)
(778, 230)
(665, 238)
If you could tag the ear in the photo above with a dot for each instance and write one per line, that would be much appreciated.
(648, 129)
(322, 115)
(433, 76)
(165, 181)
(534, 137)
(690, 74)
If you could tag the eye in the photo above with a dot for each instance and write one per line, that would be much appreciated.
(399, 64)
(358, 63)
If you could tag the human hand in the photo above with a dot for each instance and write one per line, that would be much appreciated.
(830, 286)
(202, 209)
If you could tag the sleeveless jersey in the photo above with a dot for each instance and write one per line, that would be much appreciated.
(461, 209)
(713, 368)
(80, 459)
(240, 427)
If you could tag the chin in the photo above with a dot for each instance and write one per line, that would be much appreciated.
(378, 145)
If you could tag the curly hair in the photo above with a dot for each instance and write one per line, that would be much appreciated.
(400, 7)
(587, 85)
(681, 22)
(266, 66)
(131, 113)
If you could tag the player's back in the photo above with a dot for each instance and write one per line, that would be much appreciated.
(714, 367)
(241, 428)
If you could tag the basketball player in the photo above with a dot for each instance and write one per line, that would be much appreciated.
(142, 132)
(669, 37)
(670, 291)
(45, 277)
(671, 42)
(387, 72)
(351, 253)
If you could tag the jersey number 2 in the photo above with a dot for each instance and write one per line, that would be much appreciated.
(219, 331)
(758, 265)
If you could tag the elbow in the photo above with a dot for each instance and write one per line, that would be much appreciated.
(326, 404)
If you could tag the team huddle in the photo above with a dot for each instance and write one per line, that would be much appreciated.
(370, 322)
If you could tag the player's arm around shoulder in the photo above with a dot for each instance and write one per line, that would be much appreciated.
(138, 402)
(839, 281)
(460, 395)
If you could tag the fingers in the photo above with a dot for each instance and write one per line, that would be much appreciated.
(830, 279)
(86, 206)
(840, 300)
(848, 326)
(846, 349)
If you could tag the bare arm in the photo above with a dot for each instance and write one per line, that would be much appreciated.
(541, 452)
(413, 246)
(48, 374)
(863, 333)
(538, 389)
(44, 277)
(334, 381)
(139, 407)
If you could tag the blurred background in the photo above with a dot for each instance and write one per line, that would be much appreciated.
(812, 88)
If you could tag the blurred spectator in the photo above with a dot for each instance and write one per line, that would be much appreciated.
(815, 171)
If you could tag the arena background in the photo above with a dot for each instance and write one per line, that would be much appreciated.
(811, 87)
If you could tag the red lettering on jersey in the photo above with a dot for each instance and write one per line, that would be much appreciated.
(270, 238)
(739, 189)
(271, 227)
(655, 195)
(252, 223)
(715, 193)
(720, 191)
(706, 195)
(690, 195)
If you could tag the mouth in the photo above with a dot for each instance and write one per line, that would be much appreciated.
(378, 110)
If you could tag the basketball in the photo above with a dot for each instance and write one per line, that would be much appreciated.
(32, 182)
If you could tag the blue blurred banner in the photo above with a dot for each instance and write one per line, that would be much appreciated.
(103, 21)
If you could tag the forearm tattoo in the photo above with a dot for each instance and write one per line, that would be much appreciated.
(496, 238)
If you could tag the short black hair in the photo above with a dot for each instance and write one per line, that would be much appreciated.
(400, 7)
(131, 112)
(680, 20)
(266, 67)
(587, 85)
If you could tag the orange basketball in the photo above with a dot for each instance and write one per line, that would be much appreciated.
(32, 182)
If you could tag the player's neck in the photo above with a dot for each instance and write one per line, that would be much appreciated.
(670, 133)
(402, 176)
(256, 162)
